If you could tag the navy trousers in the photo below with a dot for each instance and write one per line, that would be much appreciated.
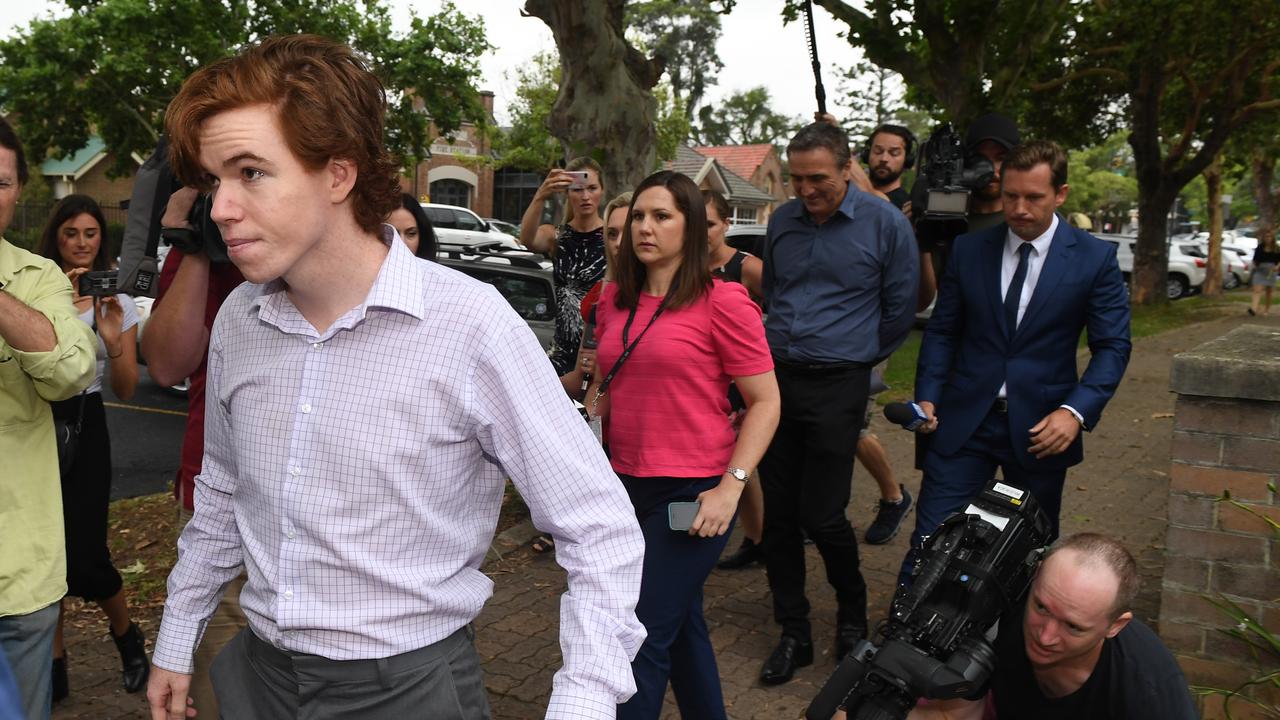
(678, 646)
(951, 481)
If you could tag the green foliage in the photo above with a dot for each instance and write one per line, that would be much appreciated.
(744, 118)
(528, 144)
(684, 34)
(1102, 182)
(673, 125)
(111, 67)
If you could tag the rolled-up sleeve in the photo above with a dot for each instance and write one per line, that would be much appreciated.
(530, 425)
(69, 367)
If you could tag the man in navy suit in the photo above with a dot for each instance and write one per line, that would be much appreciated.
(997, 374)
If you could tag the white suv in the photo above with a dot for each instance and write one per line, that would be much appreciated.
(1186, 272)
(459, 226)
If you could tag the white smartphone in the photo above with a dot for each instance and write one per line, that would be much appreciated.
(578, 179)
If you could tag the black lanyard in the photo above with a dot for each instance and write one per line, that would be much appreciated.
(627, 348)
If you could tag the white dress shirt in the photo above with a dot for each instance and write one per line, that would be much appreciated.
(357, 475)
(1035, 263)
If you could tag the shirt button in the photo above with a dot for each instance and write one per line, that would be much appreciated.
(295, 470)
(288, 594)
(316, 346)
(290, 534)
(306, 407)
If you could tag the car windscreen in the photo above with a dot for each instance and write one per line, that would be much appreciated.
(530, 296)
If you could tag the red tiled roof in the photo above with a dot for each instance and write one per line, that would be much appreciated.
(740, 159)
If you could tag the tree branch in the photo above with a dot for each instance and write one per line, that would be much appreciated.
(1077, 75)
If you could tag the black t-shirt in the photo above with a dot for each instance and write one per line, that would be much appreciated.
(1136, 678)
(898, 196)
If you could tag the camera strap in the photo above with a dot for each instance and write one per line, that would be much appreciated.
(627, 349)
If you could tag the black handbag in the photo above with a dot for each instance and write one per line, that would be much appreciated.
(68, 435)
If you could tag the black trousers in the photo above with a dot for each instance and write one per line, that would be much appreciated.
(806, 477)
(86, 496)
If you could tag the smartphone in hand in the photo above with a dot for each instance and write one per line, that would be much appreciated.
(680, 515)
(578, 179)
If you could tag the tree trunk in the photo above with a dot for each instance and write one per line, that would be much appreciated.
(605, 108)
(1262, 166)
(1213, 264)
(1151, 255)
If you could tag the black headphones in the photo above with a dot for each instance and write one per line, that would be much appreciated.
(900, 131)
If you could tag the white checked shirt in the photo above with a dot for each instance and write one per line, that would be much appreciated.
(358, 473)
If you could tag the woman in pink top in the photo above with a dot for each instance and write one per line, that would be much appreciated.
(671, 339)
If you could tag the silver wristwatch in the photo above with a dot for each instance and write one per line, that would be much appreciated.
(738, 474)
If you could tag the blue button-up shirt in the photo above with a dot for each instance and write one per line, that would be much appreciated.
(845, 290)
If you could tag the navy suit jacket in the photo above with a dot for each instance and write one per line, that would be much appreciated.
(967, 350)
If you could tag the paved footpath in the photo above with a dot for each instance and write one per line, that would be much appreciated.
(1120, 489)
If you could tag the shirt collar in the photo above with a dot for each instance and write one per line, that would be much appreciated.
(1041, 243)
(14, 258)
(845, 208)
(400, 286)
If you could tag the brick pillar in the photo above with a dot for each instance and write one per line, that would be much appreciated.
(1226, 438)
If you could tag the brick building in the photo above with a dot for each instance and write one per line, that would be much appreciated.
(750, 204)
(459, 171)
(85, 172)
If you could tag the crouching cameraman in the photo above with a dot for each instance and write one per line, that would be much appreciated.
(1077, 651)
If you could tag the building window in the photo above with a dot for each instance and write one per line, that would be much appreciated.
(744, 215)
(451, 192)
(513, 190)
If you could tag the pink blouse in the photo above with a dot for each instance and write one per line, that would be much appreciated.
(668, 404)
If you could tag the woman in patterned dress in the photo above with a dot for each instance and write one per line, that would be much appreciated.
(576, 249)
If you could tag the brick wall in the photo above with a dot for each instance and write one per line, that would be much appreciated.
(1226, 438)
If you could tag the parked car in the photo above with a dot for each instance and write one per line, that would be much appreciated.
(1186, 272)
(523, 278)
(749, 238)
(460, 226)
(504, 226)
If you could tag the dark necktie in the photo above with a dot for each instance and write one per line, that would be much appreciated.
(1014, 295)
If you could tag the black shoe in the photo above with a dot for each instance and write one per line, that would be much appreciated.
(61, 686)
(1250, 311)
(888, 518)
(848, 635)
(791, 653)
(746, 554)
(133, 658)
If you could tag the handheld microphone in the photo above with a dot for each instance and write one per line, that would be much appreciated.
(589, 342)
(908, 414)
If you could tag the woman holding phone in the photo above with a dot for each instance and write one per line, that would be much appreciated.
(576, 248)
(671, 339)
(75, 238)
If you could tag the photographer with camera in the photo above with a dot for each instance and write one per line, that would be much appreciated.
(192, 288)
(1076, 651)
(997, 378)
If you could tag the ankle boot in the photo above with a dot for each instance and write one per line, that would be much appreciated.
(61, 686)
(133, 658)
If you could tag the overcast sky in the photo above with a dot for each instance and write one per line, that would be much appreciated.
(754, 47)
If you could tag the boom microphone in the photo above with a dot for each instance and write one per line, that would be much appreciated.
(908, 414)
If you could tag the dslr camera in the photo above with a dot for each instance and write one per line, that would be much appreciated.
(936, 642)
(948, 176)
(139, 271)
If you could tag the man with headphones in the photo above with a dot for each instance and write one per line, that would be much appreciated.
(889, 151)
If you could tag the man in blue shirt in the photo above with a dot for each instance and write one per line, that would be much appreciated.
(840, 277)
